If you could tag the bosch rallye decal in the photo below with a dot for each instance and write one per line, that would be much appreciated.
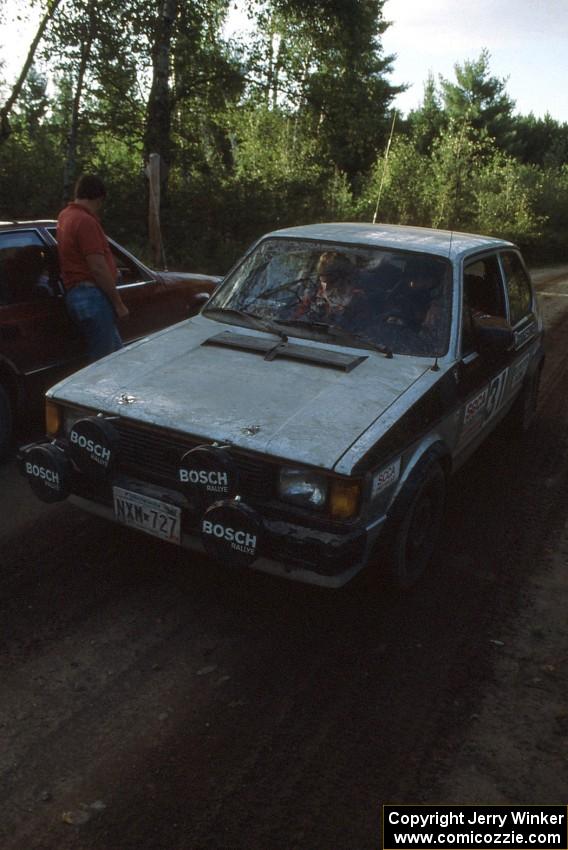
(48, 472)
(232, 533)
(93, 446)
(208, 474)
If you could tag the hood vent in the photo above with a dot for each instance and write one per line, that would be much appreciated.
(287, 350)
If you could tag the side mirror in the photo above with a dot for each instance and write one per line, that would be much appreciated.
(199, 300)
(493, 334)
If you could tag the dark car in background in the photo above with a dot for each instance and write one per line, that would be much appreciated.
(39, 344)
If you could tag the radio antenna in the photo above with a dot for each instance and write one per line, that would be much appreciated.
(453, 211)
(384, 167)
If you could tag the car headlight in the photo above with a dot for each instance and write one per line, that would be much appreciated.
(318, 491)
(60, 418)
(303, 487)
(72, 415)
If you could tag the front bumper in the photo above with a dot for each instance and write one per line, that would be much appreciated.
(289, 549)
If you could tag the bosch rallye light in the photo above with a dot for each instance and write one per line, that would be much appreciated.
(48, 472)
(232, 533)
(303, 487)
(208, 474)
(93, 446)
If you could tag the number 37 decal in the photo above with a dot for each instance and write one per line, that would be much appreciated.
(483, 407)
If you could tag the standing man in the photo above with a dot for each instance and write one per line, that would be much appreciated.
(88, 269)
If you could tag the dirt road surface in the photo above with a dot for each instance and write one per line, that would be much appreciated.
(150, 700)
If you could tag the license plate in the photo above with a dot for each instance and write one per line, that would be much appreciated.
(150, 515)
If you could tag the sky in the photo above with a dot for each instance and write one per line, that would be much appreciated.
(527, 41)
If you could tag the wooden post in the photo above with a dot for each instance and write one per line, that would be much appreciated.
(154, 230)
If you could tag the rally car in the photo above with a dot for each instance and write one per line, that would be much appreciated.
(307, 421)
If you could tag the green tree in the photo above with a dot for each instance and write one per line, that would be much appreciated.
(8, 106)
(331, 68)
(33, 103)
(506, 200)
(542, 141)
(397, 191)
(480, 100)
(428, 121)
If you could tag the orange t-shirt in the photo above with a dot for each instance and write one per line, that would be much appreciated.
(79, 233)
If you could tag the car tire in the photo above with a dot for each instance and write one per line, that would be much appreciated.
(6, 423)
(522, 414)
(414, 525)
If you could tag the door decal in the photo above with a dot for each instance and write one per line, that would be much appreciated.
(480, 409)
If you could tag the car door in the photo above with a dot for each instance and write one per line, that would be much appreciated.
(37, 339)
(483, 383)
(522, 303)
(142, 292)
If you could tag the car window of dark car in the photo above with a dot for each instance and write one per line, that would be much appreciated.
(518, 287)
(128, 270)
(28, 270)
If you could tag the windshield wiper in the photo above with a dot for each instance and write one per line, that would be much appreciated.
(334, 330)
(288, 285)
(338, 332)
(250, 318)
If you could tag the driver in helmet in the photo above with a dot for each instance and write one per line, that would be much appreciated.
(335, 297)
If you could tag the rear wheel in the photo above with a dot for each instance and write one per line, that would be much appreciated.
(6, 422)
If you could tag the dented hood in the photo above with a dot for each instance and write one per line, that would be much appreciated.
(297, 409)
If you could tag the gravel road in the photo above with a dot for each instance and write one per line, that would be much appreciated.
(150, 700)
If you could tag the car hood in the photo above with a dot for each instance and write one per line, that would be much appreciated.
(307, 412)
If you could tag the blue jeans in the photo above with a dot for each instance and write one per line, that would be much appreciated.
(92, 312)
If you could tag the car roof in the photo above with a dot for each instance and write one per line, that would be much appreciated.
(445, 243)
(36, 222)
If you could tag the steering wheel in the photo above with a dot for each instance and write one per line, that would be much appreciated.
(395, 316)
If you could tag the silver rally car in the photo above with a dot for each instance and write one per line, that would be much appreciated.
(307, 421)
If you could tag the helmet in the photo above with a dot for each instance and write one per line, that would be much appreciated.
(332, 264)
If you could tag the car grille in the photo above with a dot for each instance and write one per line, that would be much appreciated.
(154, 454)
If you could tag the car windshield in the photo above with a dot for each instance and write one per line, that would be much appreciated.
(398, 301)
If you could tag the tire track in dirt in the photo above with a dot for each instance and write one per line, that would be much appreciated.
(335, 702)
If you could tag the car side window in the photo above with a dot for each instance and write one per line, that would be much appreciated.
(28, 270)
(483, 287)
(128, 271)
(482, 295)
(518, 287)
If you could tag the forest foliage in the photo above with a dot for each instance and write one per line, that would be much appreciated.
(289, 124)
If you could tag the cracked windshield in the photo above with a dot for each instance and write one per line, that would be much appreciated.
(398, 302)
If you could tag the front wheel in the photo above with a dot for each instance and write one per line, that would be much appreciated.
(416, 522)
(6, 423)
